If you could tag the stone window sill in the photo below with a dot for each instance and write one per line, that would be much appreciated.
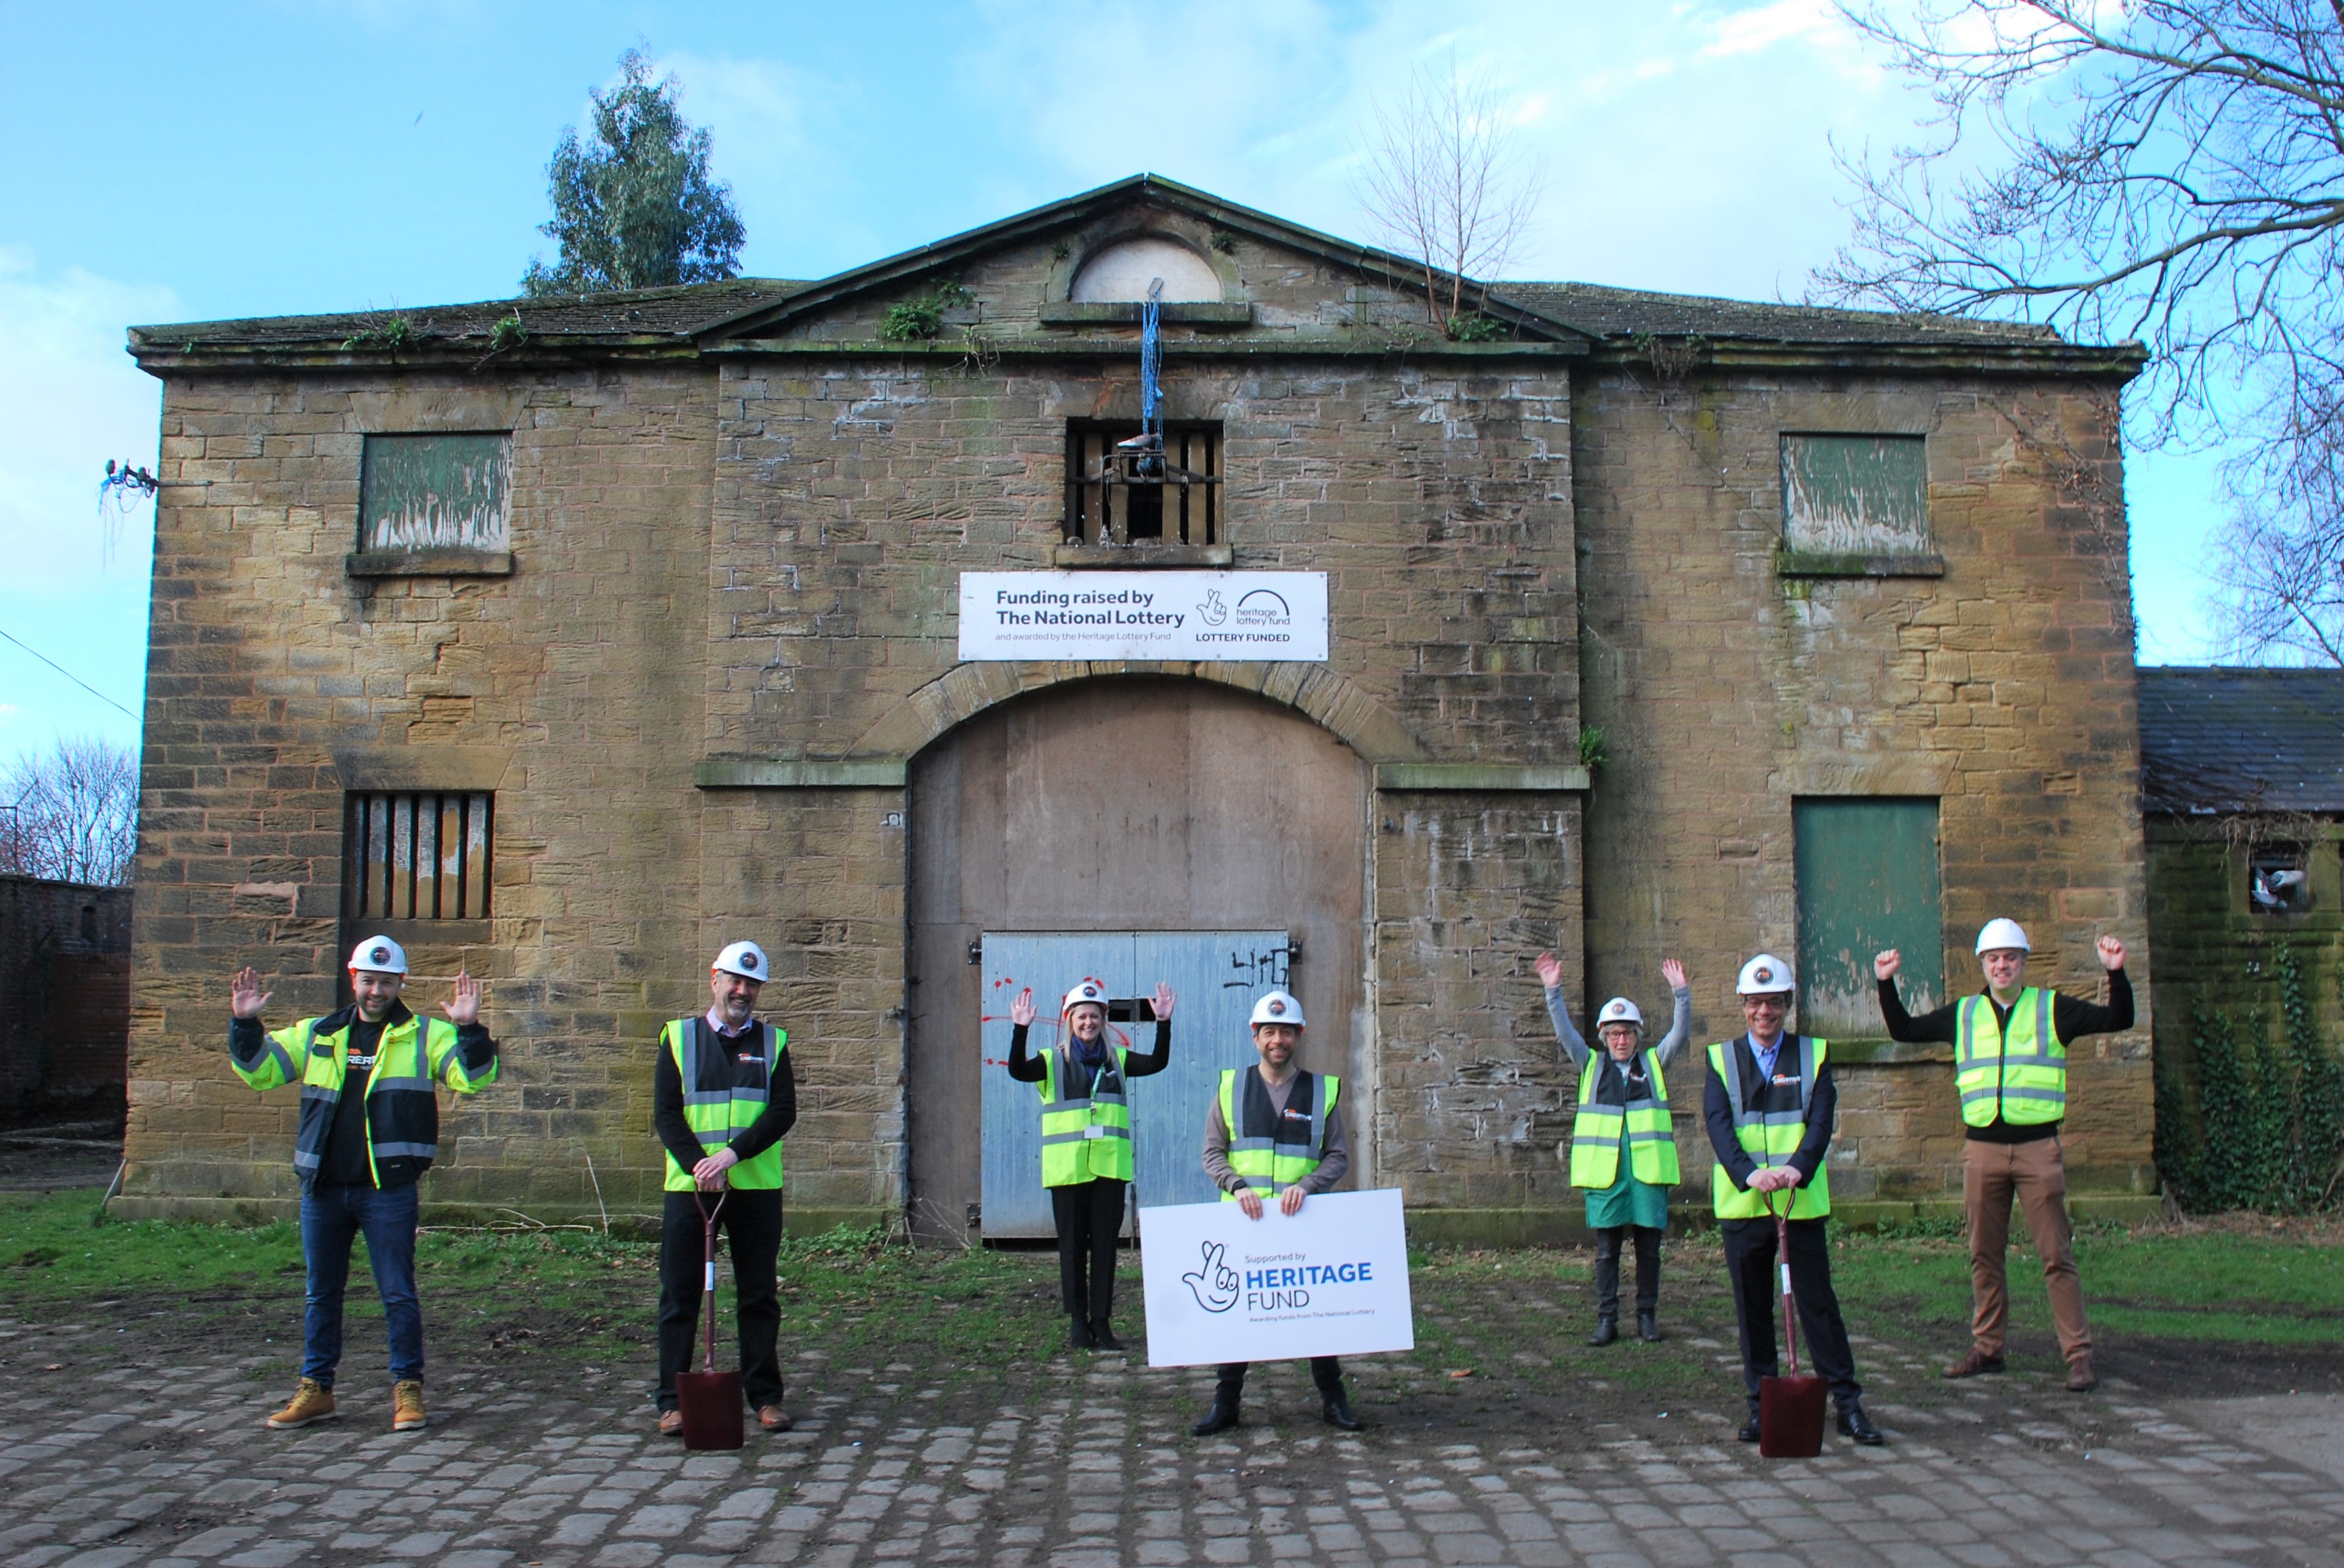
(1887, 1053)
(1142, 556)
(428, 563)
(1826, 563)
(1189, 313)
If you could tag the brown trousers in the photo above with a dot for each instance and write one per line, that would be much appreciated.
(2035, 1174)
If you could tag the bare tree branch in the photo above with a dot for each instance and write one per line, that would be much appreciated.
(71, 816)
(2170, 171)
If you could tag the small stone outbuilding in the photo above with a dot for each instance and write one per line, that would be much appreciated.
(566, 639)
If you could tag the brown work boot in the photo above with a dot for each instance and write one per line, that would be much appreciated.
(773, 1418)
(2081, 1379)
(407, 1405)
(1975, 1362)
(312, 1402)
(670, 1423)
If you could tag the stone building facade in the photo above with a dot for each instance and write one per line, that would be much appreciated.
(635, 618)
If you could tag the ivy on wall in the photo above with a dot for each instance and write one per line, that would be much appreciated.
(2264, 1129)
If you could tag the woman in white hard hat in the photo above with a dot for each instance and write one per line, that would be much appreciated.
(1623, 1104)
(1086, 1159)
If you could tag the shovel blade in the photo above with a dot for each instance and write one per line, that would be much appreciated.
(711, 1403)
(1790, 1417)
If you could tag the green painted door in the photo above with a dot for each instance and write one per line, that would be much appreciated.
(1867, 873)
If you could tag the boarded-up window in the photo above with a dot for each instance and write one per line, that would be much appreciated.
(1867, 872)
(435, 492)
(417, 857)
(1862, 495)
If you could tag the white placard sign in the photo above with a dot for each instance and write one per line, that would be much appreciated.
(1331, 1280)
(1227, 616)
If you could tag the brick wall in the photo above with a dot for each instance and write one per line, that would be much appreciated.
(65, 995)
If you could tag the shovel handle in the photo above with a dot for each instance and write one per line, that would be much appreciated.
(708, 1271)
(1783, 1262)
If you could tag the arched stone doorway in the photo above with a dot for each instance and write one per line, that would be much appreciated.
(1126, 804)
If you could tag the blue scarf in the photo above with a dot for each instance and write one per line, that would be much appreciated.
(1091, 1054)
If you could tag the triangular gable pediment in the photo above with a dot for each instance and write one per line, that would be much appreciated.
(1028, 266)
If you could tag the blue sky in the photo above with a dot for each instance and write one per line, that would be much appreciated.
(187, 162)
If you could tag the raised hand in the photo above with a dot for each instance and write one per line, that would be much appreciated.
(464, 1008)
(245, 997)
(1549, 970)
(1021, 1011)
(1674, 973)
(1885, 963)
(1163, 1000)
(2112, 954)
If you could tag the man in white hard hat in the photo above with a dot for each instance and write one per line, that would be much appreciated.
(722, 1096)
(1086, 1154)
(2010, 1067)
(1769, 1105)
(370, 1128)
(1275, 1129)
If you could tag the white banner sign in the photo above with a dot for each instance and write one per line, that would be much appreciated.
(1332, 1281)
(1227, 616)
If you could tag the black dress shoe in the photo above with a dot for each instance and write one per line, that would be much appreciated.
(1855, 1423)
(1081, 1336)
(1606, 1330)
(1339, 1412)
(1648, 1327)
(1220, 1418)
(1749, 1432)
(1102, 1337)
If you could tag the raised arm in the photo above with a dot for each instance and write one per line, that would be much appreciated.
(1025, 1069)
(1680, 1010)
(1566, 1033)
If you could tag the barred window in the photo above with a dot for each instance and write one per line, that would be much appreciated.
(1119, 493)
(417, 857)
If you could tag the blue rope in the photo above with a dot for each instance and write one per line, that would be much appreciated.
(1151, 359)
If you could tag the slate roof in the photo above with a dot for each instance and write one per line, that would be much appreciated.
(682, 312)
(1617, 313)
(2220, 740)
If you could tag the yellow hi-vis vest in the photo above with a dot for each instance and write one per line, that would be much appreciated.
(720, 1116)
(1270, 1151)
(1771, 1133)
(1084, 1140)
(2020, 1070)
(1595, 1136)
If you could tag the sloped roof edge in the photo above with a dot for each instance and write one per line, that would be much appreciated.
(2224, 739)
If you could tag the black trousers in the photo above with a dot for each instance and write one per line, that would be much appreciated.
(1089, 1215)
(1758, 1303)
(752, 1225)
(1608, 1239)
(1326, 1371)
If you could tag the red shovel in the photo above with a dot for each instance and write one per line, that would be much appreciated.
(710, 1399)
(1790, 1409)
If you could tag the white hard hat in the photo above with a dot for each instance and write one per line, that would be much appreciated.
(1277, 1007)
(745, 959)
(1089, 991)
(1762, 977)
(1619, 1010)
(2000, 932)
(380, 955)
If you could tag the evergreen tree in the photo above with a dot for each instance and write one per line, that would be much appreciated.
(636, 208)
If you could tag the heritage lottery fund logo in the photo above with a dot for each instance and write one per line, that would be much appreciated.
(1271, 1285)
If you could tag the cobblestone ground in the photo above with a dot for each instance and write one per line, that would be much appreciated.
(109, 1460)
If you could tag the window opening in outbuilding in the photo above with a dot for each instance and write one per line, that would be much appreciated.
(1117, 493)
(2279, 879)
(424, 855)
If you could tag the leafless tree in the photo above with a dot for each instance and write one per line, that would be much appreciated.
(2166, 171)
(1445, 185)
(71, 816)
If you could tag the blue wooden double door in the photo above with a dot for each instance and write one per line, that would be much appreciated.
(1215, 976)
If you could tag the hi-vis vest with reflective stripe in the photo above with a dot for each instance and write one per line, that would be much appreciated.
(720, 1116)
(1769, 1135)
(402, 1119)
(1083, 1139)
(1270, 1164)
(1595, 1136)
(2021, 1069)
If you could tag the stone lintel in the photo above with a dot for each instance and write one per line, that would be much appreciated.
(801, 773)
(428, 563)
(1849, 563)
(422, 767)
(1482, 776)
(1141, 557)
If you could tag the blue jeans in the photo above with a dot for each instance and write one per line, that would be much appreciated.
(332, 1216)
